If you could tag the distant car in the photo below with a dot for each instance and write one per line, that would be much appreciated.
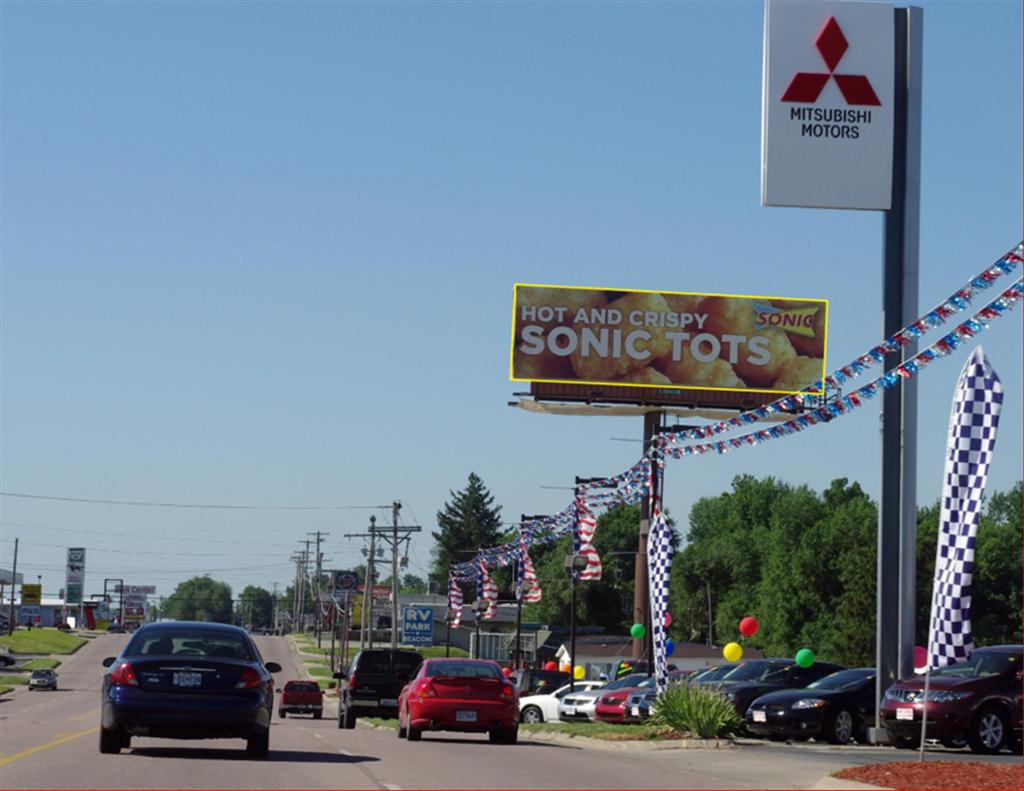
(712, 674)
(373, 682)
(836, 708)
(301, 697)
(752, 679)
(44, 678)
(611, 705)
(581, 706)
(116, 628)
(978, 700)
(6, 660)
(544, 707)
(639, 704)
(188, 680)
(469, 695)
(531, 681)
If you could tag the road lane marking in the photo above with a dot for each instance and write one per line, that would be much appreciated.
(10, 759)
(391, 787)
(318, 735)
(347, 753)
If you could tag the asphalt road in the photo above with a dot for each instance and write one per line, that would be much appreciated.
(49, 740)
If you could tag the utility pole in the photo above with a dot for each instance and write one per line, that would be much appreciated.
(318, 607)
(273, 617)
(395, 508)
(14, 581)
(368, 589)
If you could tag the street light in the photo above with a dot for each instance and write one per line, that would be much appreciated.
(479, 607)
(575, 563)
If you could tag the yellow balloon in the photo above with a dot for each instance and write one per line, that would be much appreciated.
(732, 652)
(578, 672)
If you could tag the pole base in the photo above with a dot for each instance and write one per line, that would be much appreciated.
(878, 736)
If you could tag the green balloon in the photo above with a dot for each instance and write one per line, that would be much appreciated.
(637, 630)
(805, 657)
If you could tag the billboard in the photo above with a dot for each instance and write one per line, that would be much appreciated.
(667, 339)
(31, 594)
(74, 575)
(827, 105)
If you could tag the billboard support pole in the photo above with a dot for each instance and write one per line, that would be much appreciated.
(641, 600)
(14, 581)
(897, 515)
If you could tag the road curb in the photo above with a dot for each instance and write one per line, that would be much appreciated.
(633, 745)
(835, 783)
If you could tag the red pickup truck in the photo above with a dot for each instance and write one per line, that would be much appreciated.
(301, 697)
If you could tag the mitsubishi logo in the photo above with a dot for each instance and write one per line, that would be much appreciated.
(807, 86)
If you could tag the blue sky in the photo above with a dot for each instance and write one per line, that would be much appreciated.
(263, 254)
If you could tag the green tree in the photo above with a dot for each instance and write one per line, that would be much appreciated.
(468, 521)
(407, 583)
(255, 607)
(200, 599)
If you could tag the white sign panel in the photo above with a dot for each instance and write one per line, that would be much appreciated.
(827, 105)
(135, 589)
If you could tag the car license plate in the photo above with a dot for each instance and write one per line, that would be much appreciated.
(636, 711)
(570, 711)
(760, 716)
(904, 714)
(465, 716)
(388, 701)
(187, 679)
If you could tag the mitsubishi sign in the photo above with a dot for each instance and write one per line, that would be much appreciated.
(827, 105)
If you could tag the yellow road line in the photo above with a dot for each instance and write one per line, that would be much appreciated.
(39, 748)
(91, 714)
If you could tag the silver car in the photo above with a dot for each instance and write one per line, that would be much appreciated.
(579, 706)
(42, 679)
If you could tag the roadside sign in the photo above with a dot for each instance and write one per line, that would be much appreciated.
(32, 594)
(144, 590)
(30, 611)
(74, 575)
(418, 626)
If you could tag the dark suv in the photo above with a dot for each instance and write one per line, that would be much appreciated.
(370, 687)
(978, 700)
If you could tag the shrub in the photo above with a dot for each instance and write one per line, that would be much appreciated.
(697, 710)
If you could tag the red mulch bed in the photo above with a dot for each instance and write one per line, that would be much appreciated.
(938, 775)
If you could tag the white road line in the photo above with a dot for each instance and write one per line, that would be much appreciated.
(318, 735)
(346, 752)
(391, 787)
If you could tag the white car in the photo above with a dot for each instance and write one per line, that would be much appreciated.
(544, 708)
(579, 706)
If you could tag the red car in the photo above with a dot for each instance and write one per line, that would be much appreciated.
(611, 706)
(469, 695)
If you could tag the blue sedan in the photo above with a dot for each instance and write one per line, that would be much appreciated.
(188, 680)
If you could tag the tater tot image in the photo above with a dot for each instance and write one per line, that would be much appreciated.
(804, 344)
(798, 374)
(646, 376)
(538, 305)
(683, 303)
(728, 315)
(591, 362)
(717, 373)
(781, 352)
(545, 365)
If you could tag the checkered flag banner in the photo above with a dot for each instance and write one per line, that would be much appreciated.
(526, 574)
(659, 562)
(972, 436)
(583, 538)
(488, 591)
(454, 601)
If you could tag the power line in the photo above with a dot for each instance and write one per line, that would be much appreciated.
(189, 505)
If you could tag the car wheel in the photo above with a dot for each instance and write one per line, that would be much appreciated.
(259, 745)
(282, 714)
(839, 726)
(347, 719)
(413, 734)
(111, 741)
(532, 715)
(988, 732)
(402, 730)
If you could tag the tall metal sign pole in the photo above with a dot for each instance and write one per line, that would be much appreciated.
(842, 130)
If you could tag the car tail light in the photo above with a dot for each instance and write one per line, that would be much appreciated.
(124, 675)
(508, 692)
(425, 690)
(352, 681)
(249, 679)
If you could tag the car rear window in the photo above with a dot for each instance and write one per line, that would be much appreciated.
(192, 642)
(301, 686)
(464, 669)
(406, 663)
(981, 664)
(373, 662)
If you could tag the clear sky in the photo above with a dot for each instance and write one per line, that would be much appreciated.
(263, 254)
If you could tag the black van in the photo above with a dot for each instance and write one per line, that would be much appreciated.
(370, 687)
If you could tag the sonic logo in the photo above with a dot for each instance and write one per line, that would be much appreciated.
(799, 321)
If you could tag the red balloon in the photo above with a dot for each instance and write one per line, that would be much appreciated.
(748, 626)
(920, 656)
(506, 671)
(551, 666)
(668, 619)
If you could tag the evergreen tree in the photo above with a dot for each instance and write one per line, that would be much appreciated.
(468, 522)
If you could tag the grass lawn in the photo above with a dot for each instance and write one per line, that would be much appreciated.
(601, 730)
(10, 678)
(319, 670)
(4, 689)
(42, 641)
(437, 651)
(39, 664)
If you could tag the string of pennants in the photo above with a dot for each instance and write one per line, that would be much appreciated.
(634, 483)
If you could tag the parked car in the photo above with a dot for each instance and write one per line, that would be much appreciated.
(6, 658)
(713, 674)
(580, 706)
(639, 704)
(836, 708)
(373, 682)
(530, 681)
(752, 679)
(301, 697)
(469, 695)
(978, 700)
(44, 678)
(116, 628)
(544, 707)
(188, 680)
(611, 705)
